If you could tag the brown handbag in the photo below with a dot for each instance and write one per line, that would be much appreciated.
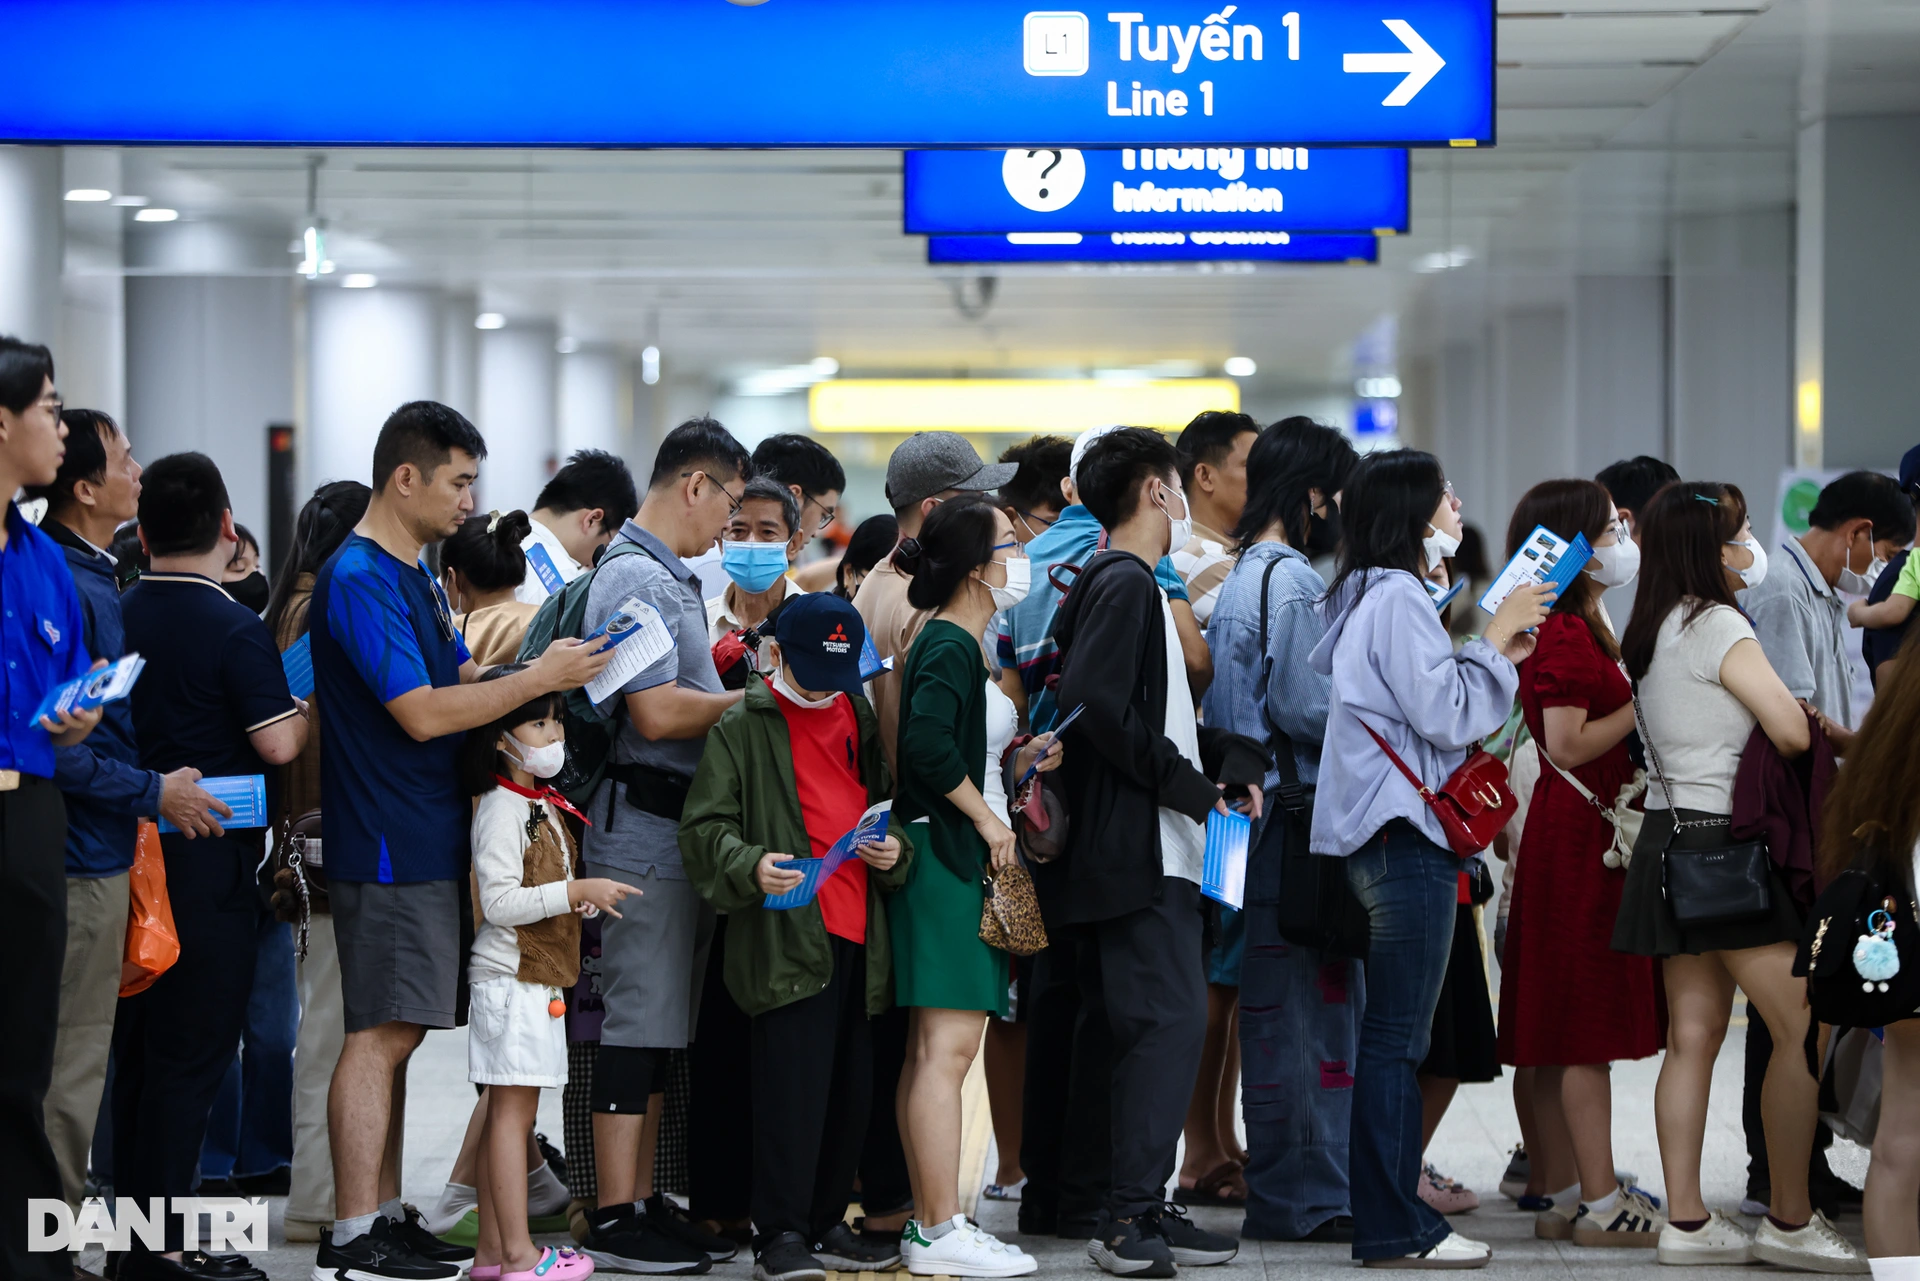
(1010, 912)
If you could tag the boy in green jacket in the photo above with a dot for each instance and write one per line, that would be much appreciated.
(787, 772)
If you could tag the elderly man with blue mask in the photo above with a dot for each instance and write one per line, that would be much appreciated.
(757, 549)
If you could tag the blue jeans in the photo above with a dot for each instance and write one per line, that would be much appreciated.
(1299, 1022)
(250, 1130)
(1410, 888)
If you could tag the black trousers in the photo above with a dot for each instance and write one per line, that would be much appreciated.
(1064, 1143)
(812, 1088)
(33, 946)
(1143, 974)
(885, 1187)
(173, 1043)
(720, 1111)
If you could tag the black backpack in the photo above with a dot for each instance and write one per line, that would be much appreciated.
(1866, 899)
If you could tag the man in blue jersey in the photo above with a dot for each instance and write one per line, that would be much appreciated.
(399, 689)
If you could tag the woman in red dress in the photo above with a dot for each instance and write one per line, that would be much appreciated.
(1569, 1004)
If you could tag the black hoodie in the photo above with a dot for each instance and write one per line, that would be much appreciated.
(1120, 767)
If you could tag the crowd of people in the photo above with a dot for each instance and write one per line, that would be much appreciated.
(751, 853)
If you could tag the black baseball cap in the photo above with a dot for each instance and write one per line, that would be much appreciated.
(821, 637)
(1910, 469)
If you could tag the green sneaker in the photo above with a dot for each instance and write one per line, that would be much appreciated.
(910, 1234)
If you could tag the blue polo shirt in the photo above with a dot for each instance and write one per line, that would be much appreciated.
(41, 640)
(382, 628)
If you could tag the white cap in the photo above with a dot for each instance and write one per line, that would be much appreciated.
(1084, 443)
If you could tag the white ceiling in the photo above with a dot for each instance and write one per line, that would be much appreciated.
(1613, 115)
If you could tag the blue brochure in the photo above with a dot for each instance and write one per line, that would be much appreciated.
(297, 659)
(871, 664)
(814, 872)
(84, 693)
(1544, 558)
(244, 794)
(1223, 877)
(544, 569)
(1444, 597)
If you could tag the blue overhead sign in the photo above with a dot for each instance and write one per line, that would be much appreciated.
(1153, 246)
(790, 73)
(1157, 189)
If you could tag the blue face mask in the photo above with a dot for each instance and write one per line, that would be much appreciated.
(753, 567)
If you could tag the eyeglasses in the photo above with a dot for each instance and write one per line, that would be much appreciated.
(57, 405)
(826, 513)
(733, 504)
(441, 614)
(1446, 487)
(1027, 518)
(1019, 552)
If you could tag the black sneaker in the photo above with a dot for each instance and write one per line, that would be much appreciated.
(619, 1240)
(412, 1232)
(273, 1183)
(1335, 1231)
(1132, 1247)
(555, 1157)
(847, 1251)
(194, 1265)
(1193, 1246)
(785, 1257)
(375, 1255)
(671, 1221)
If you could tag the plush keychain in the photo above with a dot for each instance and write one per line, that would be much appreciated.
(1875, 958)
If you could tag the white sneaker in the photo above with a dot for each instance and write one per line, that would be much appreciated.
(1720, 1241)
(966, 1251)
(1555, 1223)
(1816, 1247)
(1632, 1222)
(1454, 1252)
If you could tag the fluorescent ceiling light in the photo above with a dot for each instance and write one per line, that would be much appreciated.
(566, 346)
(131, 202)
(156, 215)
(89, 195)
(825, 366)
(1013, 404)
(1385, 387)
(1239, 367)
(489, 320)
(358, 280)
(650, 365)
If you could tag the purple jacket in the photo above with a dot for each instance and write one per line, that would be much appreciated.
(1778, 800)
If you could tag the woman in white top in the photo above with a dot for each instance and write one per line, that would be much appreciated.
(1702, 684)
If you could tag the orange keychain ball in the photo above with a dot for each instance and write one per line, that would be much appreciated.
(557, 1007)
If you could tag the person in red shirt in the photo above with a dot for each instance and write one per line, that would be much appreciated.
(787, 772)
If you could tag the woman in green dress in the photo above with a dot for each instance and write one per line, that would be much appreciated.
(965, 565)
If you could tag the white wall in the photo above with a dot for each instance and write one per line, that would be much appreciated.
(30, 240)
(209, 367)
(372, 350)
(596, 403)
(517, 396)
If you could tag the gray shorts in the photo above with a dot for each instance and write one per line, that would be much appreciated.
(652, 962)
(402, 951)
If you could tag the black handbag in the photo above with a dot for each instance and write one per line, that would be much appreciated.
(1317, 905)
(1860, 951)
(1719, 885)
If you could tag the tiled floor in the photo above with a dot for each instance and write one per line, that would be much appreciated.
(1472, 1146)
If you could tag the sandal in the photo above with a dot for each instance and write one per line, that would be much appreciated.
(1226, 1186)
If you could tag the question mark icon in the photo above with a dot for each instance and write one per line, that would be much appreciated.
(1049, 169)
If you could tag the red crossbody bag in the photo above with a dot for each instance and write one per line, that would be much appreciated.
(1473, 805)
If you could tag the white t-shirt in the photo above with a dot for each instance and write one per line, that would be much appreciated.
(532, 590)
(1698, 728)
(1002, 721)
(1183, 842)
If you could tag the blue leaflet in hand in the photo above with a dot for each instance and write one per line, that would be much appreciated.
(1223, 876)
(83, 693)
(297, 659)
(244, 794)
(541, 563)
(871, 664)
(1442, 599)
(1058, 730)
(814, 872)
(1544, 558)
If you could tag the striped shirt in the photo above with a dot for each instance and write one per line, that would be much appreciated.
(1203, 565)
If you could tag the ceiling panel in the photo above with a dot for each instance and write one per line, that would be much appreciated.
(1587, 39)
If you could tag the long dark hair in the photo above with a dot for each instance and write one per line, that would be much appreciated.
(1875, 791)
(1390, 500)
(1287, 460)
(1569, 507)
(870, 544)
(956, 539)
(479, 756)
(486, 550)
(1682, 529)
(323, 524)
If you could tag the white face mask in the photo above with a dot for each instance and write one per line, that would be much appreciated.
(792, 695)
(1859, 584)
(1615, 566)
(1019, 582)
(1756, 573)
(1181, 532)
(541, 762)
(1438, 545)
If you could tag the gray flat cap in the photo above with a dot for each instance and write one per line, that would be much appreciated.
(928, 462)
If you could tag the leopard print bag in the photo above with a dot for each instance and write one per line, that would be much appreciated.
(1010, 912)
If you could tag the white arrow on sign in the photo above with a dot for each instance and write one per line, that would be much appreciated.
(1419, 63)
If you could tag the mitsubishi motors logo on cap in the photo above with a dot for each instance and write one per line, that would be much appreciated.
(837, 642)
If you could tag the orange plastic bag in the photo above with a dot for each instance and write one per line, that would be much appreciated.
(152, 944)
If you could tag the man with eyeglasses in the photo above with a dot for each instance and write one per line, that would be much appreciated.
(653, 957)
(815, 478)
(401, 691)
(42, 633)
